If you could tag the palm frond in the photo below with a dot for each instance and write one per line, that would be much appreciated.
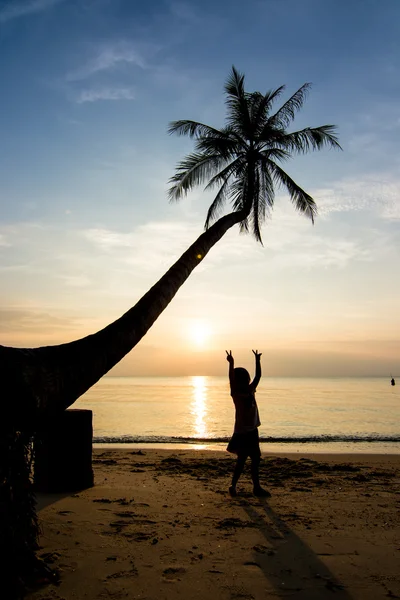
(238, 192)
(244, 225)
(254, 100)
(234, 135)
(234, 85)
(285, 115)
(225, 146)
(267, 188)
(232, 169)
(193, 170)
(264, 106)
(191, 128)
(238, 111)
(217, 204)
(275, 154)
(270, 136)
(302, 201)
(258, 208)
(223, 177)
(310, 138)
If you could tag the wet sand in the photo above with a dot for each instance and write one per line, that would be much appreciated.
(159, 524)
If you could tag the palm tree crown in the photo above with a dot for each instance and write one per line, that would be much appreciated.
(242, 159)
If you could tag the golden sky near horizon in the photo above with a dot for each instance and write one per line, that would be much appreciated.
(319, 319)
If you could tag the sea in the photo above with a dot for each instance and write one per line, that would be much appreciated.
(345, 415)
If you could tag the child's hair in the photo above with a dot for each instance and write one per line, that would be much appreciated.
(242, 379)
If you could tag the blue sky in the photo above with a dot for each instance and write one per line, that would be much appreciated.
(88, 88)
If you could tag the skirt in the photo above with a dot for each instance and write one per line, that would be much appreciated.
(245, 444)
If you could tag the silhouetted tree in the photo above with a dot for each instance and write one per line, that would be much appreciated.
(243, 158)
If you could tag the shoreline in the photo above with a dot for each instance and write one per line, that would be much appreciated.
(159, 525)
(359, 448)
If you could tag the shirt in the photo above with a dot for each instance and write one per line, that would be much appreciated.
(246, 418)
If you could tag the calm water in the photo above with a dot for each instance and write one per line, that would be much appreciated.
(349, 414)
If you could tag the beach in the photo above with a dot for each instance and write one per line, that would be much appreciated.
(159, 524)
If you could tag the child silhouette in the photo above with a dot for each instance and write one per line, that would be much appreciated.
(245, 441)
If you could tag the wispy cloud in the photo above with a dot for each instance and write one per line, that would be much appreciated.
(184, 12)
(29, 318)
(379, 193)
(107, 58)
(108, 93)
(15, 10)
(150, 247)
(3, 241)
(27, 324)
(287, 245)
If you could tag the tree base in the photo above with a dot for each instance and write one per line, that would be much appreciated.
(18, 519)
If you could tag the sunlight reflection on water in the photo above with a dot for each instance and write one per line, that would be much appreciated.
(198, 407)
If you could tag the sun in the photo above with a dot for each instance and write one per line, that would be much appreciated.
(199, 332)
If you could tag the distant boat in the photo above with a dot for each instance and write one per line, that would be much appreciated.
(392, 381)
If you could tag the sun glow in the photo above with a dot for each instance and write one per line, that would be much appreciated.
(199, 333)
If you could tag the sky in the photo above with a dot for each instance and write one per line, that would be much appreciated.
(88, 88)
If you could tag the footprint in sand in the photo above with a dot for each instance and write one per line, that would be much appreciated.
(123, 574)
(125, 514)
(140, 536)
(252, 565)
(119, 524)
(261, 549)
(172, 573)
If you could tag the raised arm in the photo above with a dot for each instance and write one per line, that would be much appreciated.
(257, 375)
(231, 362)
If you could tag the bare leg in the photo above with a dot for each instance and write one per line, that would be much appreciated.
(237, 473)
(255, 476)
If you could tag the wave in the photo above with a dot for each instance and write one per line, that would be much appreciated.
(314, 439)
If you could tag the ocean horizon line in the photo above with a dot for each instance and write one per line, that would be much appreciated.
(317, 439)
(265, 376)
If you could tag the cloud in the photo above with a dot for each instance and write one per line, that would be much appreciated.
(187, 18)
(32, 325)
(109, 93)
(107, 58)
(374, 192)
(288, 245)
(325, 252)
(76, 281)
(3, 241)
(34, 319)
(15, 10)
(150, 247)
(184, 12)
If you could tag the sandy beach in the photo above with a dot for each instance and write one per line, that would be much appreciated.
(159, 524)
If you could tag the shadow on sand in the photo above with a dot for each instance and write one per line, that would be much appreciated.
(290, 566)
(47, 499)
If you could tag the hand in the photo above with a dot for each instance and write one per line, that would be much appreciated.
(229, 357)
(257, 354)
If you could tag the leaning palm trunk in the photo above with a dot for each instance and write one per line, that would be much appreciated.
(44, 381)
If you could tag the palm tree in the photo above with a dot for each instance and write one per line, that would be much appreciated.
(243, 160)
